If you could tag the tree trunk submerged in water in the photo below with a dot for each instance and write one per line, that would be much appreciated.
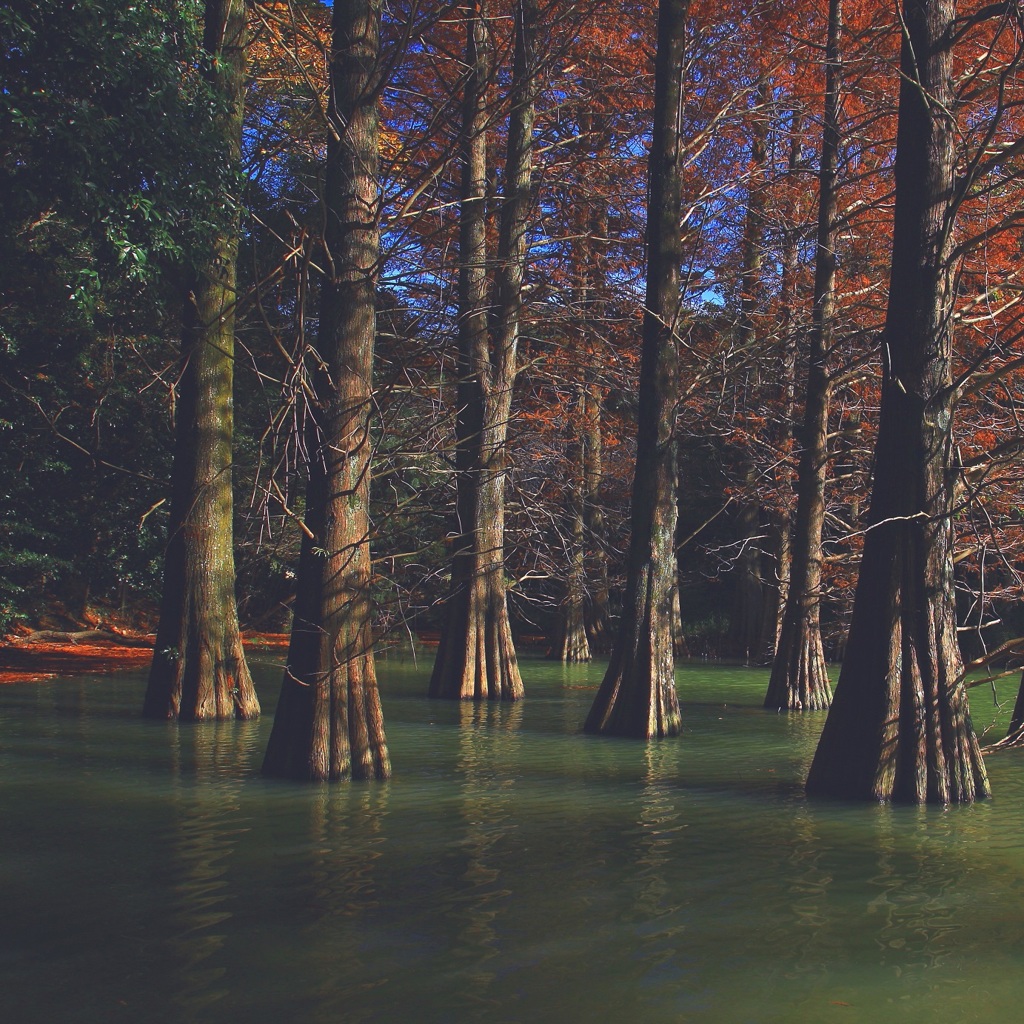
(329, 723)
(476, 657)
(899, 727)
(638, 694)
(199, 670)
(570, 644)
(799, 680)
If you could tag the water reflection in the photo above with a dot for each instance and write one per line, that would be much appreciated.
(210, 763)
(489, 743)
(878, 896)
(513, 871)
(912, 908)
(808, 893)
(659, 825)
(657, 902)
(347, 829)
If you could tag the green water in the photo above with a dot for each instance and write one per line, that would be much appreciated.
(513, 870)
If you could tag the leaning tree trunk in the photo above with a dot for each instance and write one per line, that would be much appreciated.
(899, 727)
(329, 723)
(638, 694)
(199, 670)
(799, 680)
(476, 658)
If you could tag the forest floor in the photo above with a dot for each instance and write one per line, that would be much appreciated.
(34, 657)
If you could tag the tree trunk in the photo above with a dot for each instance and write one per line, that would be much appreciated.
(638, 694)
(778, 562)
(781, 525)
(476, 658)
(571, 645)
(598, 610)
(899, 727)
(799, 680)
(746, 625)
(1015, 733)
(199, 669)
(748, 607)
(329, 723)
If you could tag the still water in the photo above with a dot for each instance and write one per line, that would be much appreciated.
(512, 871)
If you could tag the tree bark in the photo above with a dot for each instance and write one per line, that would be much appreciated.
(571, 645)
(571, 640)
(199, 669)
(899, 727)
(746, 622)
(638, 695)
(598, 607)
(750, 605)
(799, 680)
(476, 658)
(329, 723)
(781, 524)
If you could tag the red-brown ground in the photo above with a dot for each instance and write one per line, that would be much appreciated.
(25, 661)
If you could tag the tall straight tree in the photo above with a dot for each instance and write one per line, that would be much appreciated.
(799, 679)
(750, 602)
(571, 644)
(476, 658)
(199, 669)
(899, 727)
(329, 723)
(638, 694)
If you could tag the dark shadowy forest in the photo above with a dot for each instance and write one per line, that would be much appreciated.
(624, 330)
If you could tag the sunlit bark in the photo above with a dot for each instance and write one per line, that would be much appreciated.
(199, 669)
(476, 658)
(329, 723)
(799, 680)
(638, 694)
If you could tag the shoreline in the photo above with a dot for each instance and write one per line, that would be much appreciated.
(37, 661)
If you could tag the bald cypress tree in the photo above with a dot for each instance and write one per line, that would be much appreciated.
(638, 694)
(899, 727)
(329, 722)
(199, 669)
(476, 658)
(799, 679)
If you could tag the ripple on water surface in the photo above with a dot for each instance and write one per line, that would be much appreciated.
(513, 870)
